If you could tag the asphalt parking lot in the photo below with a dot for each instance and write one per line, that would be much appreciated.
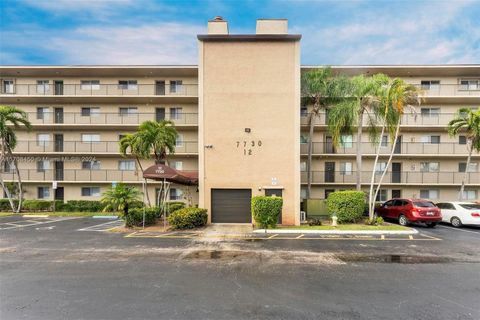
(72, 268)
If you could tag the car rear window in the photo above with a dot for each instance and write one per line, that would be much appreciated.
(470, 206)
(423, 204)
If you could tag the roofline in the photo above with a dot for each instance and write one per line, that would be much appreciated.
(100, 66)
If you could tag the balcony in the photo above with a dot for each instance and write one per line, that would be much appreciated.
(76, 175)
(80, 147)
(108, 118)
(101, 90)
(449, 90)
(405, 177)
(419, 120)
(404, 148)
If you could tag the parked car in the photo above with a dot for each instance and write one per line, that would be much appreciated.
(460, 213)
(411, 210)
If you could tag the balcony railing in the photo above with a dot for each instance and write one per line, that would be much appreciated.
(411, 177)
(409, 119)
(88, 147)
(108, 118)
(102, 90)
(409, 148)
(442, 90)
(72, 175)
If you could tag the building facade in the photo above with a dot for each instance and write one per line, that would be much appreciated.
(241, 125)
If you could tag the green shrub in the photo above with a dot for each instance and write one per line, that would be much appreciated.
(314, 222)
(266, 210)
(188, 218)
(82, 206)
(5, 204)
(37, 205)
(135, 217)
(348, 206)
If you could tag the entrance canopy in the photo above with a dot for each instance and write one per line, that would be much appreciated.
(164, 172)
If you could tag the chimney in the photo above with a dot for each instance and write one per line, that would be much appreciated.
(217, 26)
(272, 26)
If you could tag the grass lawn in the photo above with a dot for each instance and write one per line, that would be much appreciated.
(5, 214)
(73, 214)
(348, 227)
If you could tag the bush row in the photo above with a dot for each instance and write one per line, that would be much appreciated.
(348, 206)
(135, 217)
(266, 210)
(188, 218)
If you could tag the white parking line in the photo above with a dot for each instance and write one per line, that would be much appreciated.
(30, 222)
(458, 229)
(103, 226)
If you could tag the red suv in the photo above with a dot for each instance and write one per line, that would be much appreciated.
(411, 210)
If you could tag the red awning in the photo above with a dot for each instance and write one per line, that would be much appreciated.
(164, 172)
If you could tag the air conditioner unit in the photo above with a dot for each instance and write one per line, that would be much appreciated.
(303, 216)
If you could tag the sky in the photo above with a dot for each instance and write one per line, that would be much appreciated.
(149, 32)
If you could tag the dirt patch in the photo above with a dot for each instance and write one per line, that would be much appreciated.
(395, 258)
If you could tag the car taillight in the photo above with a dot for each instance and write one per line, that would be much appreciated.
(476, 214)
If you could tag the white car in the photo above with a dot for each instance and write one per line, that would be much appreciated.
(460, 213)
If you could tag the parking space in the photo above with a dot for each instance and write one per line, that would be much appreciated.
(104, 226)
(19, 222)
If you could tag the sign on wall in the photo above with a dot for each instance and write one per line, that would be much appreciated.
(249, 146)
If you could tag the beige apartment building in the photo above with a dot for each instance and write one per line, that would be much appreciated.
(241, 125)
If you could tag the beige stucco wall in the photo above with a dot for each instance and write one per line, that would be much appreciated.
(250, 85)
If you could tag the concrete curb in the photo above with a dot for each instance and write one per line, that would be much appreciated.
(105, 217)
(336, 232)
(35, 216)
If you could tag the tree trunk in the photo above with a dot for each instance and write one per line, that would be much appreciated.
(359, 150)
(146, 183)
(371, 200)
(465, 176)
(389, 160)
(20, 191)
(5, 189)
(311, 122)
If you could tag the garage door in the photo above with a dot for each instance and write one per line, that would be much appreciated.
(231, 205)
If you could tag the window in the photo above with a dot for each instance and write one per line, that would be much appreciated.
(470, 206)
(177, 165)
(384, 142)
(469, 195)
(43, 192)
(176, 86)
(127, 84)
(121, 136)
(303, 138)
(423, 204)
(43, 86)
(303, 166)
(470, 84)
(43, 165)
(90, 191)
(8, 86)
(91, 165)
(90, 85)
(90, 137)
(380, 167)
(396, 193)
(43, 113)
(179, 141)
(303, 111)
(175, 113)
(127, 111)
(462, 140)
(90, 111)
(303, 193)
(446, 206)
(328, 191)
(430, 84)
(382, 195)
(429, 166)
(346, 141)
(126, 165)
(473, 167)
(429, 194)
(346, 168)
(430, 139)
(8, 167)
(43, 139)
(430, 112)
(176, 194)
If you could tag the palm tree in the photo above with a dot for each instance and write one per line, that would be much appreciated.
(120, 198)
(130, 143)
(466, 121)
(11, 119)
(398, 97)
(322, 89)
(364, 99)
(155, 137)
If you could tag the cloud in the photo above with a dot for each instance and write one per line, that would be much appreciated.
(160, 43)
(75, 5)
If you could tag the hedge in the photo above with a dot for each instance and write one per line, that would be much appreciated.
(348, 206)
(5, 204)
(37, 205)
(135, 217)
(188, 218)
(266, 210)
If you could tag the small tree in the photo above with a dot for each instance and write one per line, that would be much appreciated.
(467, 122)
(266, 210)
(120, 198)
(348, 206)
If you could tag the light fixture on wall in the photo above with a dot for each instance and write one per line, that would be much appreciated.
(208, 146)
(248, 130)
